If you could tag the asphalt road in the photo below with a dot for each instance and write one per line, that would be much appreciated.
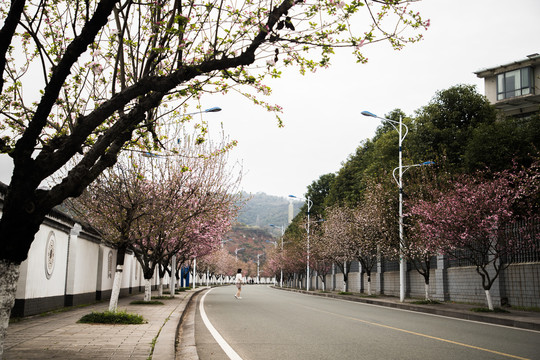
(273, 324)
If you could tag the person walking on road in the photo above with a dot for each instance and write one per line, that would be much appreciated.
(238, 281)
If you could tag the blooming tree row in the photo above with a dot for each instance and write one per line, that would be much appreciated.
(156, 208)
(467, 219)
(463, 217)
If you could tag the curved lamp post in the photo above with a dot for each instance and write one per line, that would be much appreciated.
(309, 205)
(398, 125)
(212, 109)
(236, 252)
(282, 232)
(402, 136)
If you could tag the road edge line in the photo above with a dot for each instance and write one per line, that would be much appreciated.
(217, 336)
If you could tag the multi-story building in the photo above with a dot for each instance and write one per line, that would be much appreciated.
(514, 88)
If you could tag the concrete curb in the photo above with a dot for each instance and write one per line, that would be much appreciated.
(165, 347)
(186, 348)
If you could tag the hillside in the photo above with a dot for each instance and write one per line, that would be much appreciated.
(252, 241)
(261, 210)
(253, 232)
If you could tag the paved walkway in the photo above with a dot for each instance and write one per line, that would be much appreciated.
(59, 336)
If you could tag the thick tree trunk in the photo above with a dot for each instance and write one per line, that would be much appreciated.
(8, 288)
(369, 283)
(172, 285)
(117, 284)
(489, 300)
(160, 287)
(426, 288)
(147, 290)
(118, 275)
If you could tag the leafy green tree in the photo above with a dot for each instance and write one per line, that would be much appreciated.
(318, 191)
(442, 129)
(348, 186)
(498, 145)
(374, 159)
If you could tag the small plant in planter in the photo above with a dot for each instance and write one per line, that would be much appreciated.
(111, 317)
(142, 302)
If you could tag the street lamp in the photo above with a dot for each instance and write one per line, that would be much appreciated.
(236, 252)
(258, 266)
(212, 109)
(209, 110)
(309, 205)
(400, 185)
(282, 232)
(224, 241)
(399, 180)
(407, 167)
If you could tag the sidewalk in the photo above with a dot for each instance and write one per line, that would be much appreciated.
(515, 318)
(59, 336)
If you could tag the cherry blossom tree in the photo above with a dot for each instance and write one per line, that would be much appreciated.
(336, 242)
(111, 205)
(374, 227)
(210, 264)
(322, 267)
(466, 221)
(294, 259)
(420, 254)
(190, 212)
(417, 248)
(145, 189)
(318, 262)
(228, 265)
(274, 262)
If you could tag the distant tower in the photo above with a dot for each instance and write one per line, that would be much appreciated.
(291, 210)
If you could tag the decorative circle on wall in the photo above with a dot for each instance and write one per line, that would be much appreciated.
(109, 264)
(50, 255)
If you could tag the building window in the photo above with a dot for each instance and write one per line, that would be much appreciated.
(515, 83)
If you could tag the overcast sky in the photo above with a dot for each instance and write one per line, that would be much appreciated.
(323, 125)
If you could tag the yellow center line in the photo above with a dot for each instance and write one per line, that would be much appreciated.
(419, 334)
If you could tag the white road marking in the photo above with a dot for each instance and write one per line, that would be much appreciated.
(217, 336)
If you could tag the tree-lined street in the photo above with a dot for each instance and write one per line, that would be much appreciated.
(273, 324)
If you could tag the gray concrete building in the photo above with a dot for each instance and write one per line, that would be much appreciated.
(514, 87)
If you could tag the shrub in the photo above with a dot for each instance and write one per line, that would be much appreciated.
(110, 317)
(142, 302)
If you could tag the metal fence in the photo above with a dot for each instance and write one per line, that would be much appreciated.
(522, 240)
(525, 235)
